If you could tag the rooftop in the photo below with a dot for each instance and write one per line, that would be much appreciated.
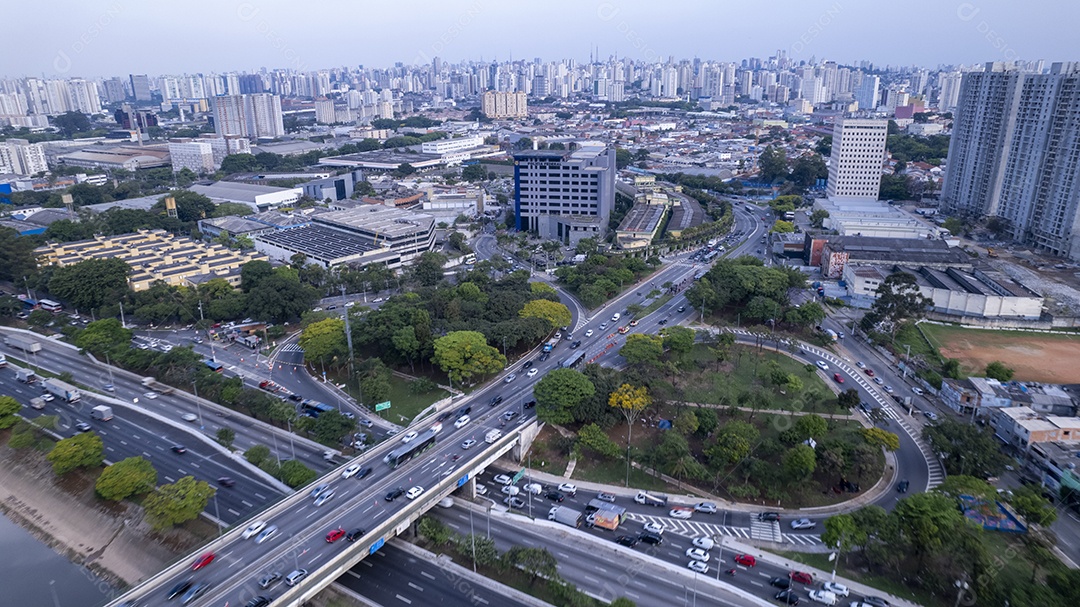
(229, 190)
(322, 242)
(382, 221)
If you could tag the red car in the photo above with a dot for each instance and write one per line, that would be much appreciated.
(870, 372)
(746, 560)
(801, 577)
(335, 535)
(837, 378)
(203, 561)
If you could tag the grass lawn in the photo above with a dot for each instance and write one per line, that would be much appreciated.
(547, 454)
(613, 472)
(404, 405)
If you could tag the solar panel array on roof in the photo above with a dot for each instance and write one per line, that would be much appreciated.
(321, 242)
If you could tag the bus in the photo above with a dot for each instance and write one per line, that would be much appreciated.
(50, 305)
(313, 408)
(470, 259)
(573, 362)
(411, 449)
(215, 366)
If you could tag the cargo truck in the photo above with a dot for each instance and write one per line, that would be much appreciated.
(61, 389)
(26, 376)
(3, 360)
(26, 344)
(565, 515)
(37, 403)
(101, 413)
(650, 499)
(606, 518)
(550, 345)
(156, 386)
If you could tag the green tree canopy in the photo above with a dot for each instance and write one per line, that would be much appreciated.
(557, 314)
(91, 283)
(899, 299)
(103, 336)
(559, 392)
(965, 449)
(999, 371)
(84, 450)
(594, 438)
(9, 410)
(799, 462)
(177, 503)
(125, 478)
(643, 349)
(324, 341)
(465, 355)
(296, 474)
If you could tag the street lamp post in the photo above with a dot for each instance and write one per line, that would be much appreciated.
(198, 407)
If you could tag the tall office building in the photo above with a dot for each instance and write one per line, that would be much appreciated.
(1015, 154)
(140, 87)
(505, 105)
(250, 116)
(858, 154)
(867, 93)
(565, 195)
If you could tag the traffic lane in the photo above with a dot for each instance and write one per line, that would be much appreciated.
(393, 576)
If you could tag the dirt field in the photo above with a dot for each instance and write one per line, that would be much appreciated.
(1040, 357)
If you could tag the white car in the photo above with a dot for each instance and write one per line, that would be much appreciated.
(468, 444)
(878, 381)
(837, 589)
(414, 492)
(325, 497)
(698, 554)
(411, 434)
(822, 365)
(532, 372)
(823, 596)
(860, 364)
(481, 490)
(151, 395)
(47, 397)
(461, 421)
(889, 389)
(510, 378)
(589, 333)
(603, 326)
(510, 490)
(266, 534)
(350, 471)
(189, 417)
(698, 566)
(568, 488)
(656, 528)
(534, 488)
(917, 390)
(615, 317)
(502, 479)
(705, 508)
(253, 529)
(704, 543)
(803, 523)
(681, 512)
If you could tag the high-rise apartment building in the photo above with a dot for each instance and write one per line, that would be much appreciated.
(1015, 154)
(867, 93)
(21, 157)
(565, 195)
(324, 111)
(250, 116)
(948, 91)
(196, 156)
(499, 105)
(140, 87)
(858, 154)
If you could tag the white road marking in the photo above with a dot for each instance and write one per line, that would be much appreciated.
(401, 598)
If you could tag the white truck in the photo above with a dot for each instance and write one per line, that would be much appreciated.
(37, 403)
(61, 389)
(492, 436)
(20, 342)
(101, 413)
(156, 386)
(650, 499)
(565, 515)
(26, 376)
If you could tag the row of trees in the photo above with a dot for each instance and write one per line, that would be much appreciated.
(600, 277)
(757, 292)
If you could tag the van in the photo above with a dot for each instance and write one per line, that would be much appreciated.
(37, 403)
(492, 436)
(615, 317)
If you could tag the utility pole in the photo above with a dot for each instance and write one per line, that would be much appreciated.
(348, 336)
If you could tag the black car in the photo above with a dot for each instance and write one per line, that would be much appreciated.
(296, 397)
(530, 404)
(179, 449)
(544, 356)
(575, 344)
(259, 601)
(902, 486)
(496, 400)
(462, 411)
(662, 321)
(196, 591)
(787, 597)
(445, 416)
(780, 582)
(527, 364)
(269, 580)
(768, 516)
(180, 588)
(366, 470)
(393, 494)
(226, 481)
(355, 534)
(627, 540)
(555, 496)
(651, 538)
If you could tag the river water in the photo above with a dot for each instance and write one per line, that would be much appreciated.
(34, 576)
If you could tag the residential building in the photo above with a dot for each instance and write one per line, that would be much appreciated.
(195, 156)
(140, 87)
(867, 94)
(564, 195)
(858, 154)
(324, 111)
(252, 116)
(20, 157)
(948, 91)
(498, 104)
(1022, 428)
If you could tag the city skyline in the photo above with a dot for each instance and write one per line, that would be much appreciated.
(100, 39)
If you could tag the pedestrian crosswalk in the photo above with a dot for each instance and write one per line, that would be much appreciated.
(291, 348)
(768, 531)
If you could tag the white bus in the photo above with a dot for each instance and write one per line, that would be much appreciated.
(50, 305)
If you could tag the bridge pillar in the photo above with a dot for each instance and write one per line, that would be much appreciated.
(527, 434)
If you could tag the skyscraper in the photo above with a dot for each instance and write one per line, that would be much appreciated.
(1015, 154)
(867, 94)
(948, 90)
(858, 154)
(250, 116)
(140, 87)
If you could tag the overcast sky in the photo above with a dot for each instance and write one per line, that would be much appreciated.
(117, 37)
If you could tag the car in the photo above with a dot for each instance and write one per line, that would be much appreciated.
(350, 471)
(917, 390)
(555, 496)
(889, 389)
(879, 381)
(705, 508)
(697, 554)
(367, 423)
(481, 490)
(203, 561)
(651, 538)
(461, 421)
(930, 415)
(576, 344)
(787, 597)
(253, 529)
(801, 577)
(698, 566)
(47, 397)
(704, 543)
(354, 534)
(662, 321)
(656, 528)
(603, 326)
(558, 335)
(258, 601)
(876, 601)
(350, 304)
(502, 479)
(527, 364)
(510, 378)
(326, 497)
(509, 415)
(633, 323)
(768, 516)
(319, 490)
(408, 436)
(496, 400)
(568, 488)
(835, 588)
(824, 366)
(837, 378)
(414, 492)
(532, 372)
(803, 523)
(180, 588)
(150, 395)
(82, 427)
(615, 317)
(605, 497)
(860, 364)
(533, 488)
(681, 512)
(226, 481)
(468, 444)
(530, 404)
(627, 540)
(870, 372)
(514, 502)
(189, 417)
(544, 356)
(296, 577)
(782, 583)
(331, 307)
(179, 449)
(109, 388)
(334, 535)
(269, 579)
(902, 486)
(746, 560)
(624, 330)
(589, 333)
(393, 494)
(366, 470)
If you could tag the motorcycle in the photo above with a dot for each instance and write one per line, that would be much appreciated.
(731, 571)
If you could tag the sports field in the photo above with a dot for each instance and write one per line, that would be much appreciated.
(1041, 357)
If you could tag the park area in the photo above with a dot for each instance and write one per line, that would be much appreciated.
(1040, 357)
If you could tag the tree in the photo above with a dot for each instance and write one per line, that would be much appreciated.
(84, 450)
(464, 355)
(899, 299)
(534, 561)
(70, 123)
(799, 462)
(1030, 504)
(103, 335)
(810, 426)
(808, 169)
(967, 485)
(842, 533)
(9, 409)
(92, 283)
(631, 402)
(818, 217)
(965, 449)
(404, 169)
(782, 227)
(295, 474)
(557, 314)
(125, 478)
(226, 436)
(190, 206)
(824, 146)
(881, 438)
(593, 437)
(474, 172)
(332, 426)
(997, 370)
(895, 187)
(678, 340)
(926, 520)
(643, 349)
(324, 341)
(734, 442)
(686, 422)
(559, 393)
(437, 532)
(772, 164)
(428, 270)
(177, 503)
(477, 547)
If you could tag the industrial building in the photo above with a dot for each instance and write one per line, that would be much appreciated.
(258, 197)
(832, 253)
(872, 218)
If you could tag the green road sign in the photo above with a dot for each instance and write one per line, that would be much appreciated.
(517, 477)
(382, 406)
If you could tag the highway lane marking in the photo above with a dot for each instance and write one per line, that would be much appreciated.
(313, 513)
(109, 449)
(234, 512)
(480, 599)
(633, 595)
(123, 442)
(368, 563)
(314, 559)
(170, 479)
(194, 465)
(353, 573)
(758, 584)
(146, 454)
(246, 503)
(563, 554)
(260, 496)
(454, 525)
(427, 575)
(416, 586)
(368, 508)
(401, 598)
